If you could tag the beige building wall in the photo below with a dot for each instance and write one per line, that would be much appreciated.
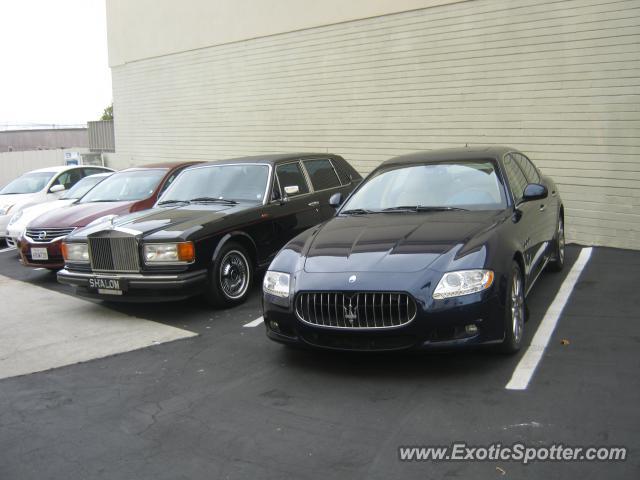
(558, 80)
(151, 28)
(14, 164)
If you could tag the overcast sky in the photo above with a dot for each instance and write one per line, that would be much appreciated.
(53, 61)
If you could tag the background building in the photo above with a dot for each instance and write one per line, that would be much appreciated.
(42, 139)
(369, 80)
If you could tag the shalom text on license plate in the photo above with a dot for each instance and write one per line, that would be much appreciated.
(109, 286)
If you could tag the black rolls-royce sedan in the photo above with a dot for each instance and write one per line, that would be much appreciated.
(433, 249)
(208, 233)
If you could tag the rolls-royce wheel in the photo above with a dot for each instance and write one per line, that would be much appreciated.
(515, 312)
(231, 276)
(557, 260)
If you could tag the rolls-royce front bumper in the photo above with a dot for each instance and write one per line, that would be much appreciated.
(135, 287)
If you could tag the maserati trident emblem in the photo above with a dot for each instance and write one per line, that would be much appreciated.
(352, 279)
(350, 313)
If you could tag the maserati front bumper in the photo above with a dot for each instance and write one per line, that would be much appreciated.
(330, 323)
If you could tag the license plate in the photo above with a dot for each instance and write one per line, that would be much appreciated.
(39, 254)
(113, 286)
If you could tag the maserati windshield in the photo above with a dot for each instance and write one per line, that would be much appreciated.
(28, 183)
(472, 185)
(126, 186)
(219, 184)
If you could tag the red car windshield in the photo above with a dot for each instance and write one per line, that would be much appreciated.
(126, 186)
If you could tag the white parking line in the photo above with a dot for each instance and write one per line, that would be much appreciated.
(531, 358)
(9, 249)
(254, 323)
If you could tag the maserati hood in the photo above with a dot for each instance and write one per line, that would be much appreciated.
(391, 242)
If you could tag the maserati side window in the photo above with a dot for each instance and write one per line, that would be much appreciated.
(516, 178)
(527, 168)
(322, 174)
(290, 175)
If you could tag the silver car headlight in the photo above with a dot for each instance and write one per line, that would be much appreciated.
(463, 282)
(276, 283)
(75, 252)
(15, 217)
(180, 252)
(5, 209)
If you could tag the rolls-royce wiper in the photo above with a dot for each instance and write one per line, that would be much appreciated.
(358, 211)
(169, 202)
(423, 208)
(214, 200)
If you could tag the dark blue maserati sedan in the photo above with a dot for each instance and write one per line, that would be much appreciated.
(433, 249)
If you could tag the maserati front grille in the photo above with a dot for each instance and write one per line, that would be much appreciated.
(114, 254)
(47, 234)
(355, 310)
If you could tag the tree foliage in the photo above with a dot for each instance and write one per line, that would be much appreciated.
(107, 114)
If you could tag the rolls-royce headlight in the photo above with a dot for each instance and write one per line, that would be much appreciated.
(463, 282)
(75, 252)
(181, 252)
(276, 283)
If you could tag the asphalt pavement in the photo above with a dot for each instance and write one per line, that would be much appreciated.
(228, 403)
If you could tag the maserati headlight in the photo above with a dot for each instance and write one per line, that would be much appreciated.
(15, 217)
(276, 283)
(75, 252)
(181, 252)
(5, 209)
(463, 282)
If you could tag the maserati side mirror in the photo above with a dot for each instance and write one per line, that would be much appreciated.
(57, 188)
(534, 191)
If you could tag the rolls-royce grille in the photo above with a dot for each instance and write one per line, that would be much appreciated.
(114, 254)
(355, 310)
(47, 234)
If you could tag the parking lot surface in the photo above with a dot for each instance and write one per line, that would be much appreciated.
(228, 403)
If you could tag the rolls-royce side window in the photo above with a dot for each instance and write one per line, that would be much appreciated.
(322, 174)
(290, 175)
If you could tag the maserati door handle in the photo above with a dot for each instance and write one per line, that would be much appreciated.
(314, 204)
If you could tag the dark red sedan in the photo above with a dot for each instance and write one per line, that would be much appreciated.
(127, 191)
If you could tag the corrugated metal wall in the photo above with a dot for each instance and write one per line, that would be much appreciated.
(101, 138)
(559, 80)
